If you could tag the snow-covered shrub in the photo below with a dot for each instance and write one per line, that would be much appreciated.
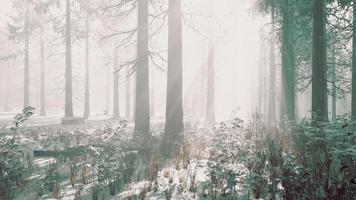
(14, 165)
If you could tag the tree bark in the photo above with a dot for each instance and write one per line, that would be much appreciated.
(174, 106)
(87, 82)
(353, 93)
(128, 94)
(43, 78)
(272, 78)
(27, 58)
(210, 112)
(319, 68)
(334, 99)
(152, 94)
(107, 106)
(116, 107)
(288, 67)
(68, 73)
(7, 88)
(142, 107)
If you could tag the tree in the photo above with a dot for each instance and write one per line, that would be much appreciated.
(210, 113)
(288, 63)
(272, 79)
(142, 106)
(42, 87)
(20, 29)
(87, 55)
(174, 106)
(353, 92)
(116, 107)
(68, 72)
(319, 68)
(128, 94)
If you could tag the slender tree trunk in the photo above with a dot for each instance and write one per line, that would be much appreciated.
(353, 93)
(134, 99)
(152, 94)
(334, 99)
(27, 59)
(210, 112)
(43, 78)
(7, 88)
(68, 73)
(272, 79)
(288, 101)
(107, 106)
(261, 84)
(128, 94)
(319, 68)
(142, 110)
(116, 107)
(174, 106)
(87, 82)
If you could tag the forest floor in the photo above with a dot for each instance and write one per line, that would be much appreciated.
(105, 160)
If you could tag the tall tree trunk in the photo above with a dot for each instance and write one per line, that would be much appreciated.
(334, 99)
(43, 80)
(142, 110)
(210, 112)
(116, 105)
(27, 59)
(288, 101)
(7, 88)
(353, 93)
(261, 83)
(272, 79)
(107, 106)
(174, 106)
(319, 68)
(68, 73)
(128, 94)
(152, 94)
(87, 83)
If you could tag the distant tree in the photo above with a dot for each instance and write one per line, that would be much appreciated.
(116, 107)
(68, 72)
(272, 119)
(174, 106)
(142, 107)
(20, 28)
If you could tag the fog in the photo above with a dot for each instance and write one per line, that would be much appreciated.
(237, 40)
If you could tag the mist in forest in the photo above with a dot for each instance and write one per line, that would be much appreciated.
(235, 34)
(177, 99)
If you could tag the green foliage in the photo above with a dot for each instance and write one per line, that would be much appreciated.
(14, 166)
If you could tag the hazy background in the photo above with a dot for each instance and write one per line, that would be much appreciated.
(237, 42)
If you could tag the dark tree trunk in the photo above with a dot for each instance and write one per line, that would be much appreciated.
(128, 94)
(43, 78)
(210, 112)
(27, 59)
(334, 99)
(288, 67)
(319, 68)
(142, 107)
(87, 82)
(174, 106)
(353, 93)
(68, 73)
(116, 103)
(272, 82)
